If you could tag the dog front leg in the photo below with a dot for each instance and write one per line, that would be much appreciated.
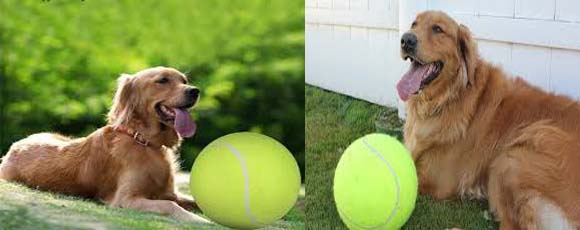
(164, 207)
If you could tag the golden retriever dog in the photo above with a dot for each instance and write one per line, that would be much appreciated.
(475, 132)
(130, 162)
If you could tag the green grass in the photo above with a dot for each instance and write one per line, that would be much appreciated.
(25, 208)
(333, 121)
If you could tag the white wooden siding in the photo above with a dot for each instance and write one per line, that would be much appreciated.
(349, 47)
(352, 46)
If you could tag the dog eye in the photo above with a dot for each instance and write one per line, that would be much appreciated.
(414, 24)
(436, 29)
(162, 80)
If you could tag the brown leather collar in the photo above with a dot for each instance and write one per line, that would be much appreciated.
(137, 136)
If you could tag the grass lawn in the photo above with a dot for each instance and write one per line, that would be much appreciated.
(333, 121)
(25, 208)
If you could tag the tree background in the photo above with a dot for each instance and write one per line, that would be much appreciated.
(59, 61)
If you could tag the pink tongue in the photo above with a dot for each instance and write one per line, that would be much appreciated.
(411, 81)
(184, 125)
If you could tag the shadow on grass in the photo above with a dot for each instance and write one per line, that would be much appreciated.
(20, 218)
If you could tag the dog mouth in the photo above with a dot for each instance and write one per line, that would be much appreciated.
(178, 117)
(419, 75)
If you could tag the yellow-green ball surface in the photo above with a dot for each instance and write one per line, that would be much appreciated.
(375, 184)
(245, 180)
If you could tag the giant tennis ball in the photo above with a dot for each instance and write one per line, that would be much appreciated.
(375, 184)
(245, 180)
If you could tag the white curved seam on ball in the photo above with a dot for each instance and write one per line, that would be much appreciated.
(392, 170)
(245, 173)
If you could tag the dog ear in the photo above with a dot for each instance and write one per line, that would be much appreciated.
(468, 54)
(123, 103)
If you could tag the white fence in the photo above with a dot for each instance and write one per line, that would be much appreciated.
(352, 46)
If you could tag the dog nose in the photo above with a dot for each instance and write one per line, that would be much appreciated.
(192, 93)
(409, 42)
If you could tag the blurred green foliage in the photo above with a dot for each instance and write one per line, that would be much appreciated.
(59, 61)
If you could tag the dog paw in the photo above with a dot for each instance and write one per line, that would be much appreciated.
(188, 204)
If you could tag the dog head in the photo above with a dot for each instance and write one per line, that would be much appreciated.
(158, 95)
(443, 56)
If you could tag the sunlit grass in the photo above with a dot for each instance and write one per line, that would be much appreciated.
(25, 208)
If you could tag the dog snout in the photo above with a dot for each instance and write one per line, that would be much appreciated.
(192, 94)
(409, 42)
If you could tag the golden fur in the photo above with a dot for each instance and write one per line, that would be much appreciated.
(110, 166)
(475, 132)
